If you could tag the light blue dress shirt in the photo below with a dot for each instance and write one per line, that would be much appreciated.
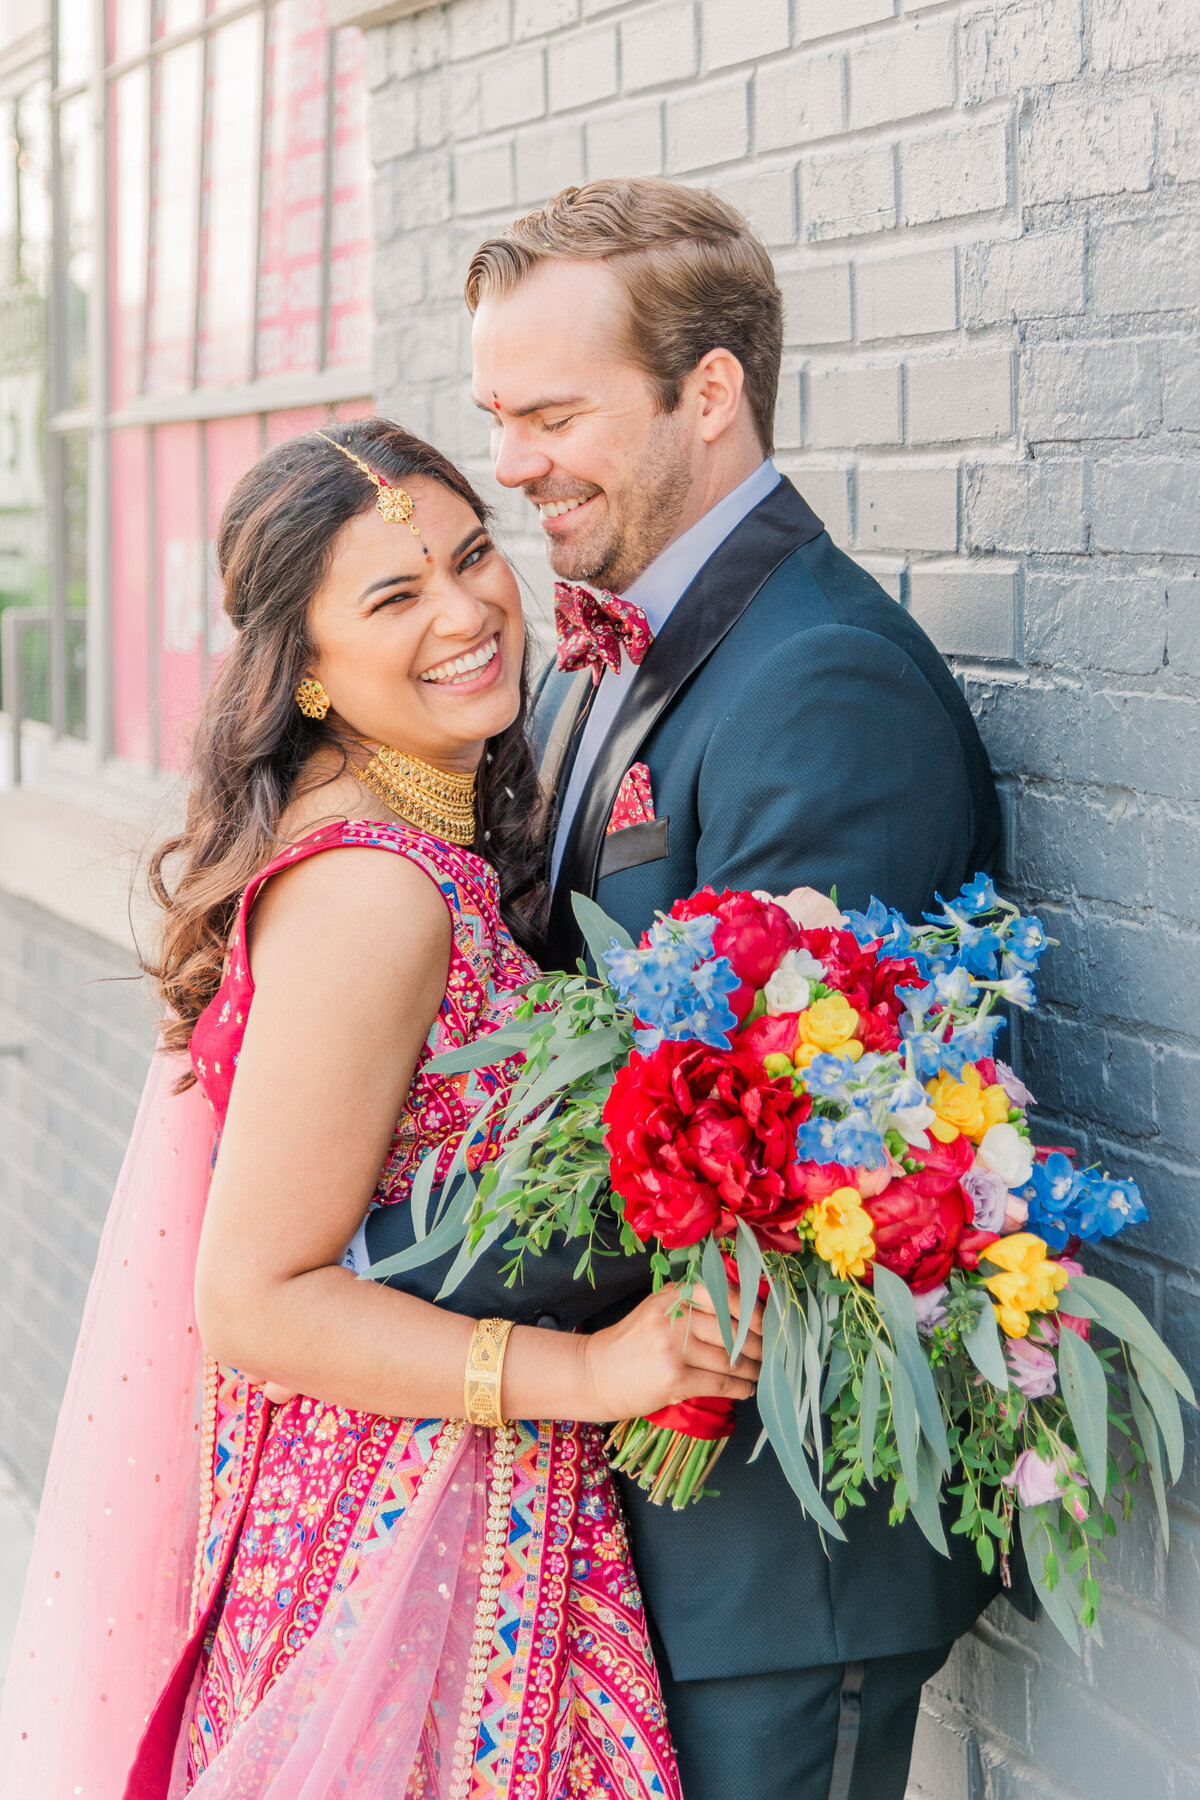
(656, 591)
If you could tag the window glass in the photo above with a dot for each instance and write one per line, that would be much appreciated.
(174, 219)
(350, 225)
(289, 290)
(128, 28)
(74, 454)
(129, 528)
(73, 58)
(231, 201)
(129, 202)
(75, 166)
(32, 149)
(231, 446)
(179, 576)
(24, 273)
(174, 15)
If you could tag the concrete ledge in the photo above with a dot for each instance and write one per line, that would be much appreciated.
(76, 861)
(373, 12)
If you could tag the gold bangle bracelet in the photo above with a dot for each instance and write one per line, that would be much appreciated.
(485, 1366)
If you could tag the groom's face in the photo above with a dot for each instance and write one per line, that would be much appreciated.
(577, 425)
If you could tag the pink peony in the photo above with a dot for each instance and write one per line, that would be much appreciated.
(1032, 1368)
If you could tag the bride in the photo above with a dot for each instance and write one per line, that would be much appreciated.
(418, 1584)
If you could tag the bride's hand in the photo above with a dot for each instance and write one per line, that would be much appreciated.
(666, 1351)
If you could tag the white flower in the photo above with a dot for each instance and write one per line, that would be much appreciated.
(1006, 1153)
(790, 987)
(910, 1112)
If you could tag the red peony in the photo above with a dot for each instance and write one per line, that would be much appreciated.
(770, 1035)
(753, 934)
(878, 1029)
(892, 972)
(700, 1137)
(919, 1219)
(848, 967)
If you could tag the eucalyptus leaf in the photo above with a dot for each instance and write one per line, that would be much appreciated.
(1118, 1314)
(1037, 1541)
(904, 1423)
(1085, 1390)
(1160, 1393)
(598, 930)
(982, 1345)
(418, 1197)
(925, 1499)
(749, 1268)
(482, 1052)
(581, 1057)
(777, 1407)
(467, 1255)
(717, 1282)
(895, 1302)
(868, 1415)
(449, 1232)
(1147, 1430)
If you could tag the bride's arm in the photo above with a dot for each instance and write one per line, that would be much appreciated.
(350, 953)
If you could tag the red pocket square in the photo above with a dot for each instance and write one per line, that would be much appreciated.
(634, 804)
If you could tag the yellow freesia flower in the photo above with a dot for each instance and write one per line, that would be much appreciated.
(842, 1232)
(1029, 1281)
(827, 1025)
(965, 1106)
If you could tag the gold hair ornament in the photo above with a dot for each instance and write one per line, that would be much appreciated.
(395, 504)
(432, 799)
(312, 699)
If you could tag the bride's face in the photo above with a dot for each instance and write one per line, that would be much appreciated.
(420, 638)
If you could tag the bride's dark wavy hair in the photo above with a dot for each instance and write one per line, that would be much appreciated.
(274, 547)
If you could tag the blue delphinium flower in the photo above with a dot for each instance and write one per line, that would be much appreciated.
(1048, 1194)
(955, 987)
(1102, 1208)
(975, 897)
(857, 1143)
(826, 1075)
(979, 1037)
(1026, 941)
(872, 924)
(674, 987)
(926, 1052)
(814, 1141)
(980, 952)
(1016, 987)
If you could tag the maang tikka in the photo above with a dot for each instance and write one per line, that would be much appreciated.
(395, 504)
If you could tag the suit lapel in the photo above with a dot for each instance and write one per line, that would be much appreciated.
(707, 610)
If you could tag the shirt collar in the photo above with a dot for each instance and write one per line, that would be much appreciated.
(673, 570)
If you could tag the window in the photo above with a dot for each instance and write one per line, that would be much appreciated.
(231, 311)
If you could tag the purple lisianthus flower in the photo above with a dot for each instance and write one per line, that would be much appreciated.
(931, 1308)
(1013, 1086)
(989, 1196)
(1032, 1368)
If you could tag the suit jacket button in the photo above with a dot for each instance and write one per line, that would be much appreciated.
(548, 1322)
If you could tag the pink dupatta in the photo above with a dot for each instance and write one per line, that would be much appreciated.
(105, 1618)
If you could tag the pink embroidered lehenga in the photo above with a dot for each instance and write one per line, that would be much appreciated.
(380, 1609)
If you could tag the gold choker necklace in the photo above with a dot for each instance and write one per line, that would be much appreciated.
(429, 798)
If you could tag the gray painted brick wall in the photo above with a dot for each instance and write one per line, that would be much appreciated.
(986, 220)
(83, 1032)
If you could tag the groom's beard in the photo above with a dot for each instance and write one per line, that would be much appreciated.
(640, 519)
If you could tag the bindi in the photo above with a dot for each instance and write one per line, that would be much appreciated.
(425, 553)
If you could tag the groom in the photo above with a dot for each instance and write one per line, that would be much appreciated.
(753, 712)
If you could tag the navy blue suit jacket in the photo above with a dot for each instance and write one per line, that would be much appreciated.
(798, 727)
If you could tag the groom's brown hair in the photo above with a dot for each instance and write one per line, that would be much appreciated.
(696, 277)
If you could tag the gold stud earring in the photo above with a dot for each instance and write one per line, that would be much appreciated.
(312, 699)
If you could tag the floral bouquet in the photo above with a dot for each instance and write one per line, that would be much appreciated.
(808, 1104)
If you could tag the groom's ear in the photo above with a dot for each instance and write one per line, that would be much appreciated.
(717, 385)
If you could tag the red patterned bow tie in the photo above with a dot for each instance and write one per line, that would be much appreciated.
(591, 629)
